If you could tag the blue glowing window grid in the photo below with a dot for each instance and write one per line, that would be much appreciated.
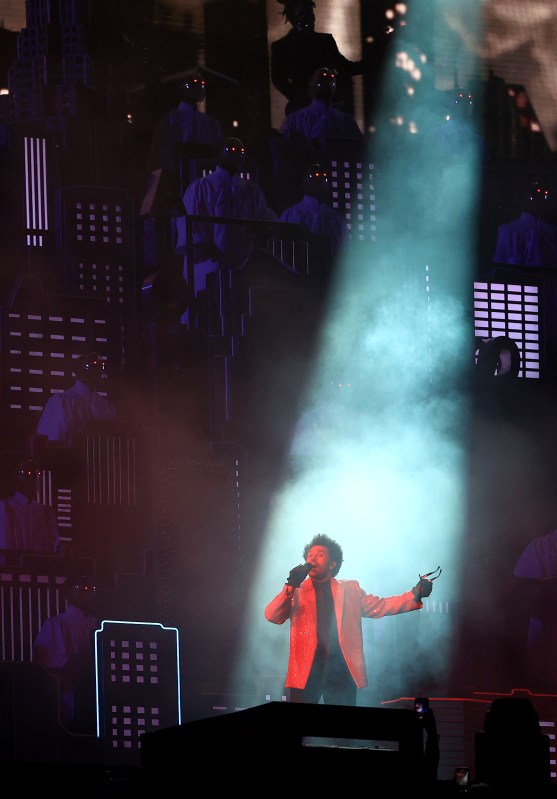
(102, 279)
(353, 194)
(132, 663)
(138, 680)
(99, 223)
(99, 245)
(511, 310)
(127, 724)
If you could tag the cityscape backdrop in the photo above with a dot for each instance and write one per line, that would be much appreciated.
(419, 458)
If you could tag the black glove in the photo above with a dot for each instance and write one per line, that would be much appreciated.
(422, 589)
(297, 575)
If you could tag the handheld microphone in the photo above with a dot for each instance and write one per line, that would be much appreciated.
(309, 566)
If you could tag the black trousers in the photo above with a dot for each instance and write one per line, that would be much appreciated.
(333, 683)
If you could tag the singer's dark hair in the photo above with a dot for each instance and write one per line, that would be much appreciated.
(335, 550)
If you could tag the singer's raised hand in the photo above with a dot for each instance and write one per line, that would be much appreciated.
(298, 574)
(422, 589)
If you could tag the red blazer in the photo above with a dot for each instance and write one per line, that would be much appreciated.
(351, 604)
